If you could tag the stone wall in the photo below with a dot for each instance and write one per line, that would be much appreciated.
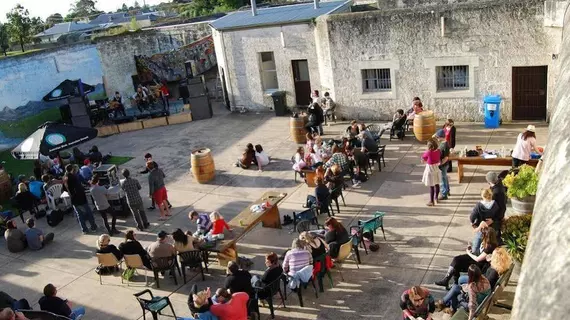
(117, 53)
(238, 54)
(542, 287)
(490, 37)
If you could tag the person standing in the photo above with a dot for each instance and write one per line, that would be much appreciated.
(500, 197)
(148, 158)
(100, 198)
(35, 237)
(157, 189)
(449, 128)
(526, 143)
(78, 200)
(131, 187)
(164, 95)
(444, 163)
(432, 175)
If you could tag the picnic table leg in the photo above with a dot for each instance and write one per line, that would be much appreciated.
(460, 171)
(230, 254)
(271, 218)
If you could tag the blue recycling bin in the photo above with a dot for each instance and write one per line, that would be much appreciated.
(492, 106)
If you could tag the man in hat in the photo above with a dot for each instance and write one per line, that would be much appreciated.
(444, 163)
(161, 248)
(500, 196)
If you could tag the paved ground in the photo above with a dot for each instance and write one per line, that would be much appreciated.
(420, 241)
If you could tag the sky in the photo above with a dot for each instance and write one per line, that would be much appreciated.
(44, 8)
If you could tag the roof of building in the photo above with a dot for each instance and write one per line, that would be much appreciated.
(66, 27)
(286, 14)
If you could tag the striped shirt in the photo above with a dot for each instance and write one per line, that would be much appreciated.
(204, 223)
(297, 259)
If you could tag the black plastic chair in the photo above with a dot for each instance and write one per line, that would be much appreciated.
(271, 289)
(302, 221)
(325, 206)
(155, 304)
(335, 193)
(377, 156)
(192, 259)
(42, 315)
(165, 264)
(304, 285)
(323, 271)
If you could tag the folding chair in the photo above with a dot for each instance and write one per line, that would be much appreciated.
(107, 260)
(343, 254)
(134, 261)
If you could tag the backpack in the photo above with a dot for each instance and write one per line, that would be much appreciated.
(40, 214)
(54, 217)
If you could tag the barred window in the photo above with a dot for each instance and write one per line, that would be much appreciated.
(452, 78)
(376, 80)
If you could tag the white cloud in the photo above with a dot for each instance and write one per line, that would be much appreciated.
(44, 8)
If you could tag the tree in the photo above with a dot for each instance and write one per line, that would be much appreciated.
(124, 8)
(134, 24)
(20, 25)
(37, 26)
(54, 19)
(137, 5)
(4, 38)
(83, 8)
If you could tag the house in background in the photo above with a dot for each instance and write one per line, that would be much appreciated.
(124, 19)
(60, 29)
(271, 49)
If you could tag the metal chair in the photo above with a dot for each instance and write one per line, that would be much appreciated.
(373, 224)
(271, 289)
(155, 304)
(107, 260)
(192, 259)
(134, 261)
(302, 221)
(165, 264)
(344, 253)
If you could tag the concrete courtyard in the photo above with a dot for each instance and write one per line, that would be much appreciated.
(421, 241)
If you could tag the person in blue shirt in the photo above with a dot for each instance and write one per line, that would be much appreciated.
(35, 237)
(86, 171)
(36, 187)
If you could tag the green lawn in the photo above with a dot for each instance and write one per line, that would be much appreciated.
(24, 127)
(118, 160)
(17, 53)
(16, 167)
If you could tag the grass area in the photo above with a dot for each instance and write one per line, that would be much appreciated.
(24, 127)
(118, 160)
(17, 53)
(16, 167)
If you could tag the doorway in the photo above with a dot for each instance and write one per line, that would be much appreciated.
(302, 82)
(530, 93)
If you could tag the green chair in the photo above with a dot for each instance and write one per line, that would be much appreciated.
(155, 304)
(373, 224)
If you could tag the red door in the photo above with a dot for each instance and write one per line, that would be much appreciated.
(302, 82)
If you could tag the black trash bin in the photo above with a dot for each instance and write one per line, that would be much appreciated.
(279, 103)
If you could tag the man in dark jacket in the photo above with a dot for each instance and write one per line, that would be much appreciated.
(78, 199)
(500, 196)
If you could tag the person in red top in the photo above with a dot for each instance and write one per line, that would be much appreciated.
(230, 306)
(218, 225)
(164, 94)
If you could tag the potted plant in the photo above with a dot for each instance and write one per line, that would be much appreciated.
(514, 232)
(521, 188)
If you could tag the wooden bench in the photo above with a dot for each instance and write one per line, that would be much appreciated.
(480, 161)
(489, 301)
(245, 221)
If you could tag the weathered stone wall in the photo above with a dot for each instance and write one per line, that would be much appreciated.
(491, 37)
(543, 288)
(117, 53)
(240, 49)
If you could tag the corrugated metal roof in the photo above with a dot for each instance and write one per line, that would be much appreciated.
(277, 15)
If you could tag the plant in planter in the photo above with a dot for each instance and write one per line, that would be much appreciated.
(514, 232)
(521, 188)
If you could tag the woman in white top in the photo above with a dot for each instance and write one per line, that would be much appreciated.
(261, 156)
(526, 143)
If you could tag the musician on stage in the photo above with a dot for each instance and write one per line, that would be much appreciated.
(141, 98)
(117, 106)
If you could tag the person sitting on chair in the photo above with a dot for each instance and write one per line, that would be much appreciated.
(25, 200)
(117, 106)
(329, 107)
(398, 123)
(54, 304)
(141, 99)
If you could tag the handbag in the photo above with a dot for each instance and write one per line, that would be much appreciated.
(128, 274)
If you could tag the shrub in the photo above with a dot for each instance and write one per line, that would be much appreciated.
(523, 184)
(515, 232)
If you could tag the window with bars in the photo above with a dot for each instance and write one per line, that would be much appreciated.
(374, 80)
(268, 71)
(452, 78)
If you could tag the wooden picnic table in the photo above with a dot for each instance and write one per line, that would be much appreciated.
(480, 161)
(245, 221)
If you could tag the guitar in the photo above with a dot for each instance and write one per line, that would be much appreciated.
(114, 105)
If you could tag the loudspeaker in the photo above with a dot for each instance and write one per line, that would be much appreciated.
(77, 106)
(188, 67)
(65, 112)
(200, 108)
(183, 90)
(81, 121)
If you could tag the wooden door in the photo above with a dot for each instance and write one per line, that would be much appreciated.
(302, 82)
(529, 93)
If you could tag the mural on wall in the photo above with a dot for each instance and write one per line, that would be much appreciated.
(172, 65)
(27, 79)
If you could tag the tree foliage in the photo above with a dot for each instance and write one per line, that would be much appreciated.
(54, 19)
(20, 25)
(199, 8)
(84, 8)
(4, 38)
(37, 26)
(137, 5)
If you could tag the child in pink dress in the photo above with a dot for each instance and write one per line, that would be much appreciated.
(432, 174)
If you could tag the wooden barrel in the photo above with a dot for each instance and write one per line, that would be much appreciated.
(424, 125)
(202, 164)
(5, 187)
(297, 129)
